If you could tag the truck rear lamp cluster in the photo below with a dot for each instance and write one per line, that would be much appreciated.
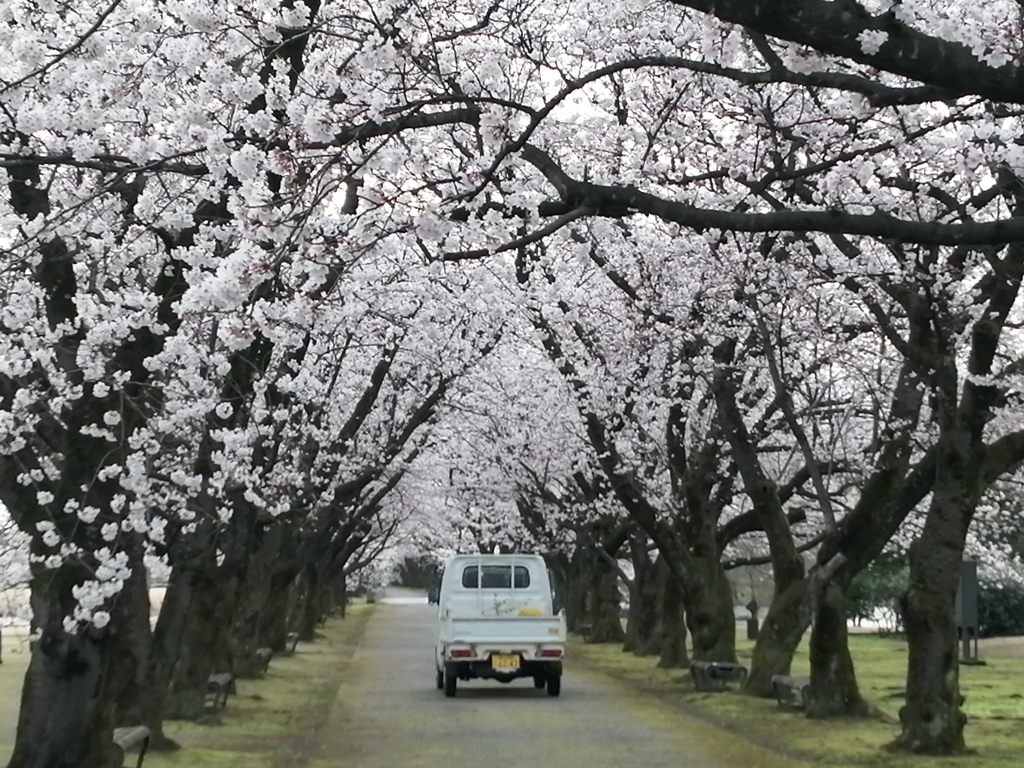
(550, 653)
(460, 653)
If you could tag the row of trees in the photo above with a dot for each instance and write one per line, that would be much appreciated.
(832, 359)
(209, 353)
(705, 271)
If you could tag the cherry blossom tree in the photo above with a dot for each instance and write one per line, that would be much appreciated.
(249, 248)
(834, 128)
(187, 190)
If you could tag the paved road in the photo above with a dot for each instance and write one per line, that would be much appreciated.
(389, 714)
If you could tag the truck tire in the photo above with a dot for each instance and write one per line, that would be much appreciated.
(440, 679)
(554, 685)
(538, 681)
(451, 680)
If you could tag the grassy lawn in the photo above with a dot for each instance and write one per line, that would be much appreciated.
(994, 704)
(12, 672)
(268, 724)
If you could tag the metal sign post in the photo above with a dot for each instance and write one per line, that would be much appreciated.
(967, 612)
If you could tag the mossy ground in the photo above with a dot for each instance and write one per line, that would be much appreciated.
(272, 722)
(269, 723)
(994, 705)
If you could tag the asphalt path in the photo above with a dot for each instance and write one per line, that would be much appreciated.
(389, 714)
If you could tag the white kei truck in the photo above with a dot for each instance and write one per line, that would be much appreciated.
(496, 620)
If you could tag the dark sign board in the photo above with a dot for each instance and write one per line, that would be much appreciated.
(967, 596)
(967, 612)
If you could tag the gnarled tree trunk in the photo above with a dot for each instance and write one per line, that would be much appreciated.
(311, 605)
(644, 598)
(788, 618)
(214, 590)
(710, 618)
(132, 704)
(834, 691)
(603, 610)
(200, 647)
(74, 680)
(273, 628)
(577, 584)
(261, 619)
(165, 651)
(672, 653)
(932, 720)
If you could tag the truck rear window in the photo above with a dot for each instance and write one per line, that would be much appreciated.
(495, 577)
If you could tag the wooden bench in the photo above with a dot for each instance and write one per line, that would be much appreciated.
(220, 685)
(791, 691)
(125, 739)
(713, 675)
(290, 641)
(262, 660)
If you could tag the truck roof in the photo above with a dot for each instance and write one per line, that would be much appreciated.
(496, 559)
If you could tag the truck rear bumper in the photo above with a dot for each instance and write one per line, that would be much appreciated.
(467, 670)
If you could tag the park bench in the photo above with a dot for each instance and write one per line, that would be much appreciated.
(262, 660)
(713, 675)
(791, 691)
(290, 641)
(220, 685)
(125, 739)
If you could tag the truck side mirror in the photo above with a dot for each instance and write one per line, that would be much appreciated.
(433, 595)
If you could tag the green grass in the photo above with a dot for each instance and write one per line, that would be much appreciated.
(994, 705)
(267, 724)
(12, 672)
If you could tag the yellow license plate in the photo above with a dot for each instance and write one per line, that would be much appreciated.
(505, 662)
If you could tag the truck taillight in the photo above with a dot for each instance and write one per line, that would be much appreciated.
(551, 652)
(460, 653)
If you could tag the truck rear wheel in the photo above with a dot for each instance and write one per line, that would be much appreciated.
(440, 679)
(451, 680)
(554, 685)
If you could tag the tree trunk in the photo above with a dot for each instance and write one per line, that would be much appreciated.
(604, 609)
(577, 584)
(166, 650)
(131, 705)
(66, 716)
(788, 618)
(710, 617)
(201, 647)
(339, 593)
(787, 563)
(834, 691)
(261, 618)
(311, 605)
(644, 593)
(671, 634)
(273, 629)
(74, 681)
(214, 593)
(932, 720)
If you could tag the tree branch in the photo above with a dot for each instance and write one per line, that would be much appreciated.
(833, 27)
(618, 201)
